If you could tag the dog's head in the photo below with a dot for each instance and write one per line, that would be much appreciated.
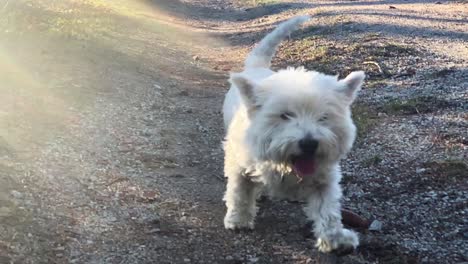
(300, 118)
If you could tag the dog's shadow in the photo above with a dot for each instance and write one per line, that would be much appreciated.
(287, 219)
(283, 216)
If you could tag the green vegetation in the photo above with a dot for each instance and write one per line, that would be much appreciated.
(318, 53)
(254, 3)
(372, 161)
(418, 105)
(364, 117)
(449, 170)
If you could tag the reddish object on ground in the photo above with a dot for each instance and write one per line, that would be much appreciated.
(351, 219)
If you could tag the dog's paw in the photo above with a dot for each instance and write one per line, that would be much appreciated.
(237, 221)
(342, 242)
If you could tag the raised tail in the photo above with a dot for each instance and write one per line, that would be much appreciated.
(263, 53)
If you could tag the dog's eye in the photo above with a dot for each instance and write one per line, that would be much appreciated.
(323, 118)
(287, 115)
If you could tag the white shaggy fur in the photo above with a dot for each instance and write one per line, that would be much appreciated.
(267, 115)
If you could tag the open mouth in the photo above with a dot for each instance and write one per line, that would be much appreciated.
(303, 165)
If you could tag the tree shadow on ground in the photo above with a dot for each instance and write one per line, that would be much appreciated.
(186, 10)
(252, 37)
(370, 3)
(371, 12)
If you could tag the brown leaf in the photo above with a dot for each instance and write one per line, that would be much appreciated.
(351, 219)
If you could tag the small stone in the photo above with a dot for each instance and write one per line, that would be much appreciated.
(195, 58)
(229, 258)
(16, 194)
(186, 260)
(376, 225)
(154, 230)
(420, 170)
(253, 260)
(465, 235)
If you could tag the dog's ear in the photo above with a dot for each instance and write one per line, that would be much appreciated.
(246, 88)
(352, 84)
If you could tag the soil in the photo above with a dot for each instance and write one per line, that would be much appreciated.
(110, 129)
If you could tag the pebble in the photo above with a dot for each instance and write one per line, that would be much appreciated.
(154, 230)
(253, 260)
(16, 194)
(376, 225)
(420, 170)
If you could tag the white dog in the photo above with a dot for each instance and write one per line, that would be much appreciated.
(286, 133)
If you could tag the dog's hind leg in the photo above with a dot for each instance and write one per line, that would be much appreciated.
(241, 195)
(323, 209)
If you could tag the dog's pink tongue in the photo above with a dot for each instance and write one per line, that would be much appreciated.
(304, 167)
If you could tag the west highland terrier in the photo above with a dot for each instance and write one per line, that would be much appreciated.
(286, 134)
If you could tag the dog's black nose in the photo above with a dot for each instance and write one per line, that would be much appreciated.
(308, 145)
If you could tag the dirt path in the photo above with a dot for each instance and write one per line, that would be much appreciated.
(110, 129)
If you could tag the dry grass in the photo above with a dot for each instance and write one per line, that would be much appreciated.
(376, 57)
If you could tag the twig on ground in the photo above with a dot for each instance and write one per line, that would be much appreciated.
(120, 179)
(381, 69)
(219, 177)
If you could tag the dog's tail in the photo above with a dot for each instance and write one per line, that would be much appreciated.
(262, 54)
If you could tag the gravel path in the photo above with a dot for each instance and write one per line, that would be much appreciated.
(110, 129)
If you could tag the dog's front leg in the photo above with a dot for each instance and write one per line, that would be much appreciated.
(323, 209)
(240, 197)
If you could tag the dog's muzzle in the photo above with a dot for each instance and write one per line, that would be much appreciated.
(308, 146)
(305, 164)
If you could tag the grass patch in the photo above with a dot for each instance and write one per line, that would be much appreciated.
(372, 161)
(441, 73)
(315, 53)
(381, 50)
(418, 105)
(80, 20)
(365, 118)
(81, 28)
(447, 171)
(375, 84)
(254, 3)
